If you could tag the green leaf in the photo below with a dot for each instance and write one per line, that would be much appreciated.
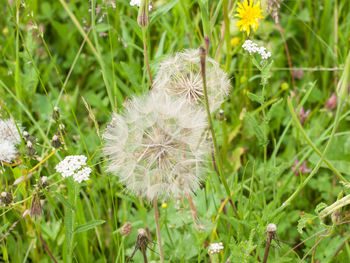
(258, 131)
(256, 98)
(319, 207)
(65, 202)
(90, 225)
(305, 219)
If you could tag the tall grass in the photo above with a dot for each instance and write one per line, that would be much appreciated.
(55, 53)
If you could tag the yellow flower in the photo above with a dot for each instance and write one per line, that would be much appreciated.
(164, 205)
(235, 41)
(249, 15)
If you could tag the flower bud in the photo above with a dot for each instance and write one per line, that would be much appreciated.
(56, 114)
(6, 198)
(126, 229)
(143, 15)
(56, 142)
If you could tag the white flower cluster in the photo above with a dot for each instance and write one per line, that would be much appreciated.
(138, 3)
(9, 138)
(70, 167)
(252, 48)
(215, 248)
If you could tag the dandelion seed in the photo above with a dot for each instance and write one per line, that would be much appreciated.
(249, 15)
(155, 147)
(215, 248)
(9, 131)
(180, 76)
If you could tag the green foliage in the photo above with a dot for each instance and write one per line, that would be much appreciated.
(55, 53)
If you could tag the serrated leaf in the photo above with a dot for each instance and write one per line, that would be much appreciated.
(90, 225)
(256, 98)
(305, 219)
(65, 202)
(319, 207)
(258, 131)
(273, 108)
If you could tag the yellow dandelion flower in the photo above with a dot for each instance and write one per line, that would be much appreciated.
(249, 15)
(235, 41)
(164, 205)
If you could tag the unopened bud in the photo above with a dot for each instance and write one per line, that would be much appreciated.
(221, 115)
(271, 228)
(143, 15)
(56, 142)
(30, 151)
(44, 181)
(56, 113)
(126, 229)
(6, 198)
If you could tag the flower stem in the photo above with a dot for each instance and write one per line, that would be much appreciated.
(144, 37)
(202, 53)
(193, 208)
(323, 155)
(155, 206)
(267, 248)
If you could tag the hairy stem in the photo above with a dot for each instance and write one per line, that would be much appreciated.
(155, 206)
(202, 53)
(144, 36)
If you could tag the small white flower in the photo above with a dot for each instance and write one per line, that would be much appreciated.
(7, 151)
(215, 248)
(138, 3)
(82, 175)
(253, 48)
(70, 164)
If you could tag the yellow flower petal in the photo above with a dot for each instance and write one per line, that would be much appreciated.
(249, 15)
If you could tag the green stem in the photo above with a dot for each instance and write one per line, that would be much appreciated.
(217, 153)
(227, 35)
(322, 156)
(145, 39)
(159, 240)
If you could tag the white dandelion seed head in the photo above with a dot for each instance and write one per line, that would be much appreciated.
(180, 76)
(215, 248)
(8, 151)
(9, 131)
(156, 147)
(70, 165)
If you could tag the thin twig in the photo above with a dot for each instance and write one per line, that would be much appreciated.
(47, 248)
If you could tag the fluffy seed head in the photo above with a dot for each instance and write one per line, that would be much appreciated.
(181, 76)
(9, 132)
(7, 151)
(156, 147)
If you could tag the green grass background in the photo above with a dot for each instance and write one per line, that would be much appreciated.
(46, 61)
